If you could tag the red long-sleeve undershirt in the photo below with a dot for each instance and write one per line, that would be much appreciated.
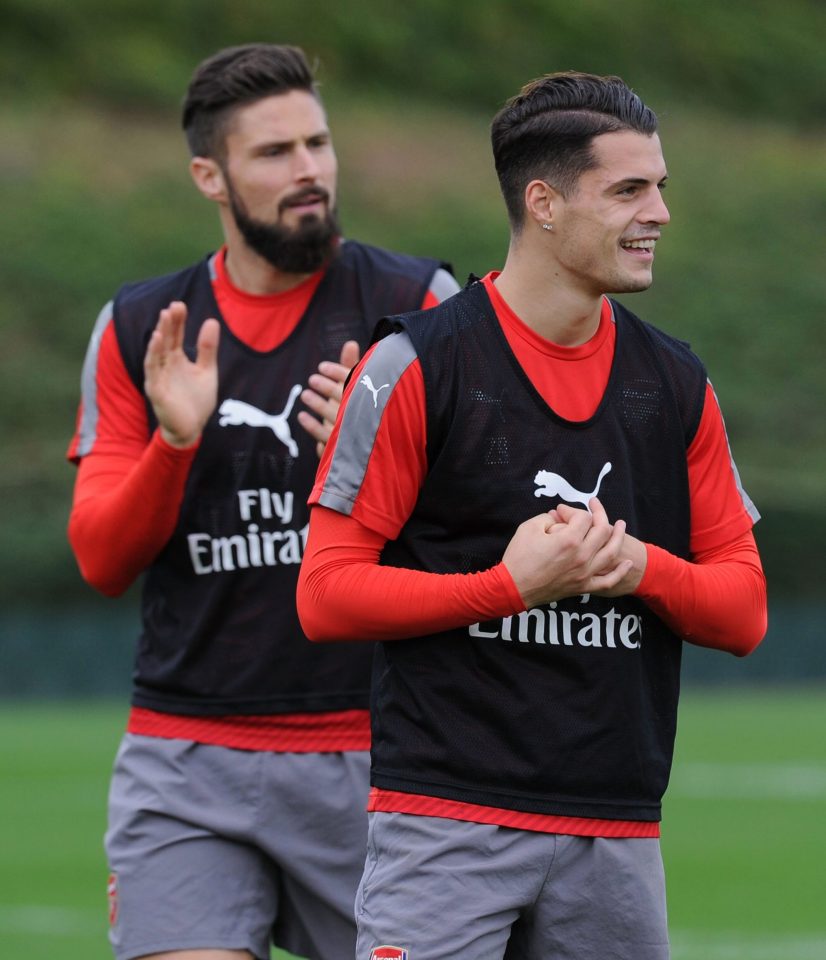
(716, 600)
(129, 488)
(125, 510)
(128, 494)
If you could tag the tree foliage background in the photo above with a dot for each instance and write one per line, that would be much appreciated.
(94, 192)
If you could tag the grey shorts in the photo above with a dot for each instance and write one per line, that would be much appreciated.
(441, 889)
(216, 848)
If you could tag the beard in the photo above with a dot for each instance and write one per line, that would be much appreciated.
(300, 249)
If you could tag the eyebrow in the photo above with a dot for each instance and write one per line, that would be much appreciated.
(635, 181)
(289, 141)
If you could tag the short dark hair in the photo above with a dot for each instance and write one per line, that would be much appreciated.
(546, 131)
(234, 77)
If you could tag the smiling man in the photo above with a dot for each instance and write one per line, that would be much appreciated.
(525, 690)
(237, 814)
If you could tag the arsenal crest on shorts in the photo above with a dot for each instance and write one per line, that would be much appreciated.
(388, 953)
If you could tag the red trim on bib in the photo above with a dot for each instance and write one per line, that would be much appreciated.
(393, 801)
(281, 733)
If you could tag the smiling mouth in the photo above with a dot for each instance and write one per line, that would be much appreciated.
(646, 245)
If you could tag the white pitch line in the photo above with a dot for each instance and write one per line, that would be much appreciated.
(50, 921)
(745, 781)
(686, 945)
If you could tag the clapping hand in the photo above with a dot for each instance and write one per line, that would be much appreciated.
(323, 395)
(183, 393)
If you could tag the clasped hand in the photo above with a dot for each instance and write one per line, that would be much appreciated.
(567, 551)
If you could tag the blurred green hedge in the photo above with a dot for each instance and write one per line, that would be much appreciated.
(94, 192)
(752, 57)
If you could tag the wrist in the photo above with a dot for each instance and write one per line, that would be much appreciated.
(511, 594)
(659, 568)
(178, 443)
(639, 557)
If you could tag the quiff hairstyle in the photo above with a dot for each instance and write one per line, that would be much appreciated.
(232, 78)
(547, 130)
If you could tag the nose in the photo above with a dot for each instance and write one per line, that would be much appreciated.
(656, 210)
(305, 163)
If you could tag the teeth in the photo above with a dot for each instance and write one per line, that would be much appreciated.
(639, 244)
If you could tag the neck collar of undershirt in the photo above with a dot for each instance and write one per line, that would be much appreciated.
(510, 321)
(221, 279)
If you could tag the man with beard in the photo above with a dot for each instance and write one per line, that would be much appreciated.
(237, 806)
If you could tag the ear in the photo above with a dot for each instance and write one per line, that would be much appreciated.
(209, 178)
(540, 198)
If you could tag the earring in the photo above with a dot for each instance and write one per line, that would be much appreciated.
(547, 226)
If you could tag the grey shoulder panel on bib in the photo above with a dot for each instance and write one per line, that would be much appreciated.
(361, 420)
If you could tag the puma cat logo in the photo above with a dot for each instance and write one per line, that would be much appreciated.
(236, 413)
(367, 382)
(553, 485)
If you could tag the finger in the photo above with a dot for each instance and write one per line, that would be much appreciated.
(548, 521)
(552, 518)
(606, 556)
(325, 386)
(162, 332)
(320, 405)
(567, 513)
(334, 372)
(176, 324)
(165, 328)
(597, 509)
(579, 521)
(601, 529)
(607, 581)
(206, 347)
(350, 354)
(319, 430)
(160, 341)
(154, 349)
(540, 520)
(617, 534)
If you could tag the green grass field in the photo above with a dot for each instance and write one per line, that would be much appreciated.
(743, 833)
